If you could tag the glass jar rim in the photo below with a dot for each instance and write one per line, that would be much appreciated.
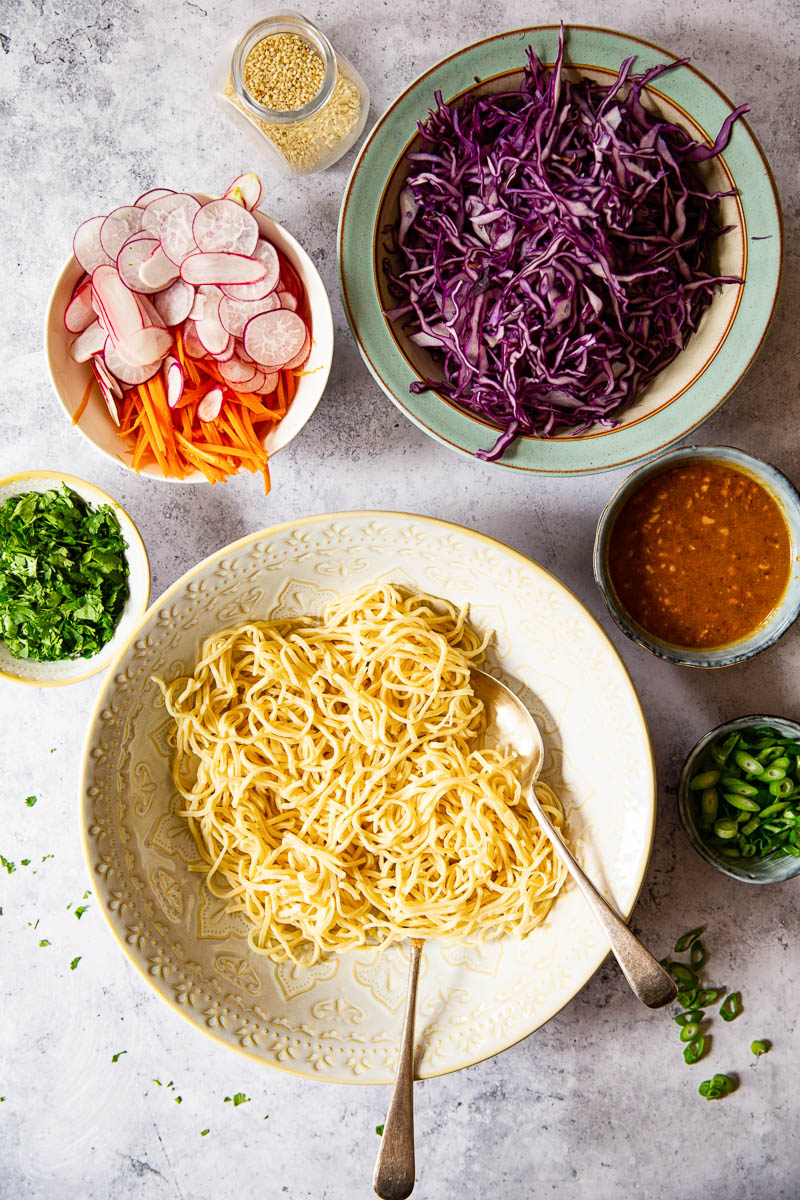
(285, 21)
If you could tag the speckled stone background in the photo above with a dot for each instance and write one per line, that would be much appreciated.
(99, 101)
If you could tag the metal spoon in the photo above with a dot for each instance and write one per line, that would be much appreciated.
(394, 1170)
(510, 724)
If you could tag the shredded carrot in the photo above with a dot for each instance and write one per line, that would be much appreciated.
(81, 409)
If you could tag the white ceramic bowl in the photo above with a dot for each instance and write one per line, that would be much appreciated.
(70, 378)
(340, 1019)
(54, 674)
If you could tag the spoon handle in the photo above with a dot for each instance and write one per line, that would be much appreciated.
(648, 979)
(394, 1170)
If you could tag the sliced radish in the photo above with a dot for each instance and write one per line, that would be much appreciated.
(227, 353)
(287, 300)
(261, 380)
(245, 190)
(235, 314)
(191, 342)
(79, 312)
(130, 258)
(209, 407)
(222, 268)
(114, 304)
(102, 372)
(211, 332)
(242, 353)
(265, 253)
(87, 247)
(274, 338)
(90, 342)
(198, 306)
(267, 383)
(150, 314)
(153, 194)
(234, 371)
(223, 225)
(145, 346)
(175, 379)
(302, 355)
(118, 226)
(170, 217)
(123, 371)
(108, 388)
(175, 304)
(157, 272)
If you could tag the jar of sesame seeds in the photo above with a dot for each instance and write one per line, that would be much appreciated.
(283, 84)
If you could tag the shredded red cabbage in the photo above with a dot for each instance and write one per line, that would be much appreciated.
(553, 246)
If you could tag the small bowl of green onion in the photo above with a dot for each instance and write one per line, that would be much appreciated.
(739, 798)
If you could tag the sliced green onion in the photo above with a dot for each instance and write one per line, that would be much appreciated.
(706, 996)
(725, 828)
(693, 1014)
(731, 1006)
(687, 999)
(744, 803)
(686, 939)
(706, 779)
(698, 956)
(682, 974)
(760, 1047)
(695, 1050)
(690, 1031)
(747, 763)
(709, 807)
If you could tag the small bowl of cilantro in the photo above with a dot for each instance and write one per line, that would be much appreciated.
(74, 578)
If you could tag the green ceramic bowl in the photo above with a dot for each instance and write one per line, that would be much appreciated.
(731, 331)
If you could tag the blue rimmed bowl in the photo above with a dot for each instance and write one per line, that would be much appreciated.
(782, 616)
(748, 870)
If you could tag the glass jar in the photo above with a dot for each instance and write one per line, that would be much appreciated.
(298, 140)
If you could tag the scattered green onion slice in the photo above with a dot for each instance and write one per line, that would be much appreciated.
(685, 940)
(693, 1014)
(760, 1046)
(695, 1050)
(731, 1006)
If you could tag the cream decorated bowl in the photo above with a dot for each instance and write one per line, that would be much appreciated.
(340, 1019)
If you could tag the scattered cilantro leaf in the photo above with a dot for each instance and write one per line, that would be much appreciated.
(203, 1132)
(158, 1081)
(240, 1098)
(227, 1100)
(30, 801)
(24, 862)
(116, 1057)
(63, 575)
(46, 856)
(80, 911)
(9, 866)
(178, 1099)
(87, 894)
(74, 962)
(44, 942)
(379, 1130)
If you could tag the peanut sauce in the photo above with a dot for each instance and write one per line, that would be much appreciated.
(700, 555)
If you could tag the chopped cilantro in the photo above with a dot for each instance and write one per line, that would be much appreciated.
(63, 575)
(74, 963)
(9, 866)
(24, 862)
(116, 1057)
(379, 1130)
(80, 911)
(44, 942)
(240, 1098)
(227, 1100)
(158, 1081)
(30, 801)
(203, 1132)
(46, 856)
(178, 1099)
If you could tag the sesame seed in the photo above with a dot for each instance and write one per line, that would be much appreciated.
(283, 72)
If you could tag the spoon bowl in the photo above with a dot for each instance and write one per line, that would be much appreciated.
(510, 725)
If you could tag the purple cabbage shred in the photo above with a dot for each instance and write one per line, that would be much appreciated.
(552, 249)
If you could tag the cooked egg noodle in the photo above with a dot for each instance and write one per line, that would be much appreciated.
(336, 785)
